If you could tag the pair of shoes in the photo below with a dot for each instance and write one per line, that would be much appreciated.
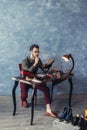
(66, 115)
(63, 115)
(25, 104)
(52, 114)
(78, 120)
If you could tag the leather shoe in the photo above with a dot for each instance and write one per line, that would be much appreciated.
(52, 114)
(63, 115)
(81, 121)
(75, 120)
(25, 104)
(84, 127)
(69, 116)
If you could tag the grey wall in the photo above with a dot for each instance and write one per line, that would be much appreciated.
(58, 26)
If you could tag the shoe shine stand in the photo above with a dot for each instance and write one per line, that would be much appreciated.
(57, 125)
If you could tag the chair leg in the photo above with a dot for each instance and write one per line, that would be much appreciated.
(32, 106)
(14, 96)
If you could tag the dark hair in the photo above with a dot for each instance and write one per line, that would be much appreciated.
(33, 46)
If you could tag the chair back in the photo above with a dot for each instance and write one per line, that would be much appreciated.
(24, 72)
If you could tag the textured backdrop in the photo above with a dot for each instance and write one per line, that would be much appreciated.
(57, 26)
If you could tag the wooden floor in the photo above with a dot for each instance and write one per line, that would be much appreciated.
(21, 121)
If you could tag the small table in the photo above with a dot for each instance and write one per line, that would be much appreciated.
(33, 84)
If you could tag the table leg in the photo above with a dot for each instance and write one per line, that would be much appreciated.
(32, 105)
(14, 96)
(71, 90)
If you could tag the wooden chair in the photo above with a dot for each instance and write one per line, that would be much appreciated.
(20, 79)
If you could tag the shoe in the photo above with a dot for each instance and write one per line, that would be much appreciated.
(63, 115)
(75, 120)
(81, 121)
(84, 127)
(52, 114)
(69, 116)
(25, 104)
